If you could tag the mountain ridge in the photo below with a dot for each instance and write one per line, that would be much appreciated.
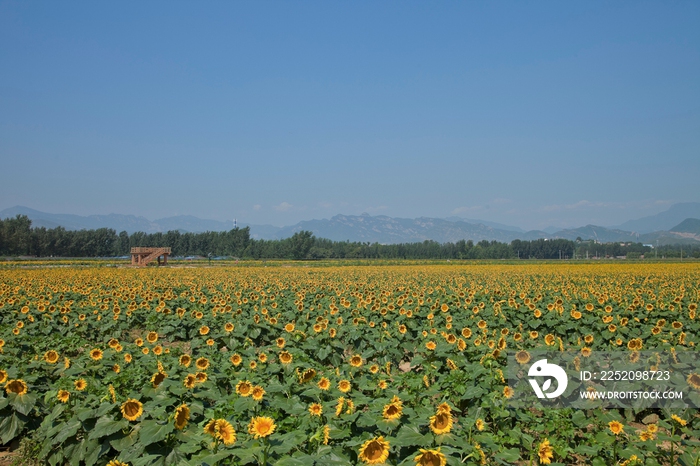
(366, 228)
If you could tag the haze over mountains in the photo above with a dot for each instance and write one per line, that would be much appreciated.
(679, 224)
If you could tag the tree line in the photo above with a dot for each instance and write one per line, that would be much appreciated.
(18, 238)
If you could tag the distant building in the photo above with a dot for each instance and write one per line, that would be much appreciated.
(648, 246)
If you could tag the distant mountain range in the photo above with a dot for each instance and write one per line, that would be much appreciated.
(679, 224)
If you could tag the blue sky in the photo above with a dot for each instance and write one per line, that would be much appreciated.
(526, 113)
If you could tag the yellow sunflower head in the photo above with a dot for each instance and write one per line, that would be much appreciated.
(374, 451)
(260, 427)
(132, 409)
(441, 422)
(96, 354)
(244, 388)
(430, 458)
(182, 416)
(17, 386)
(63, 396)
(51, 357)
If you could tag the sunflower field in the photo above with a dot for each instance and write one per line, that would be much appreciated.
(330, 365)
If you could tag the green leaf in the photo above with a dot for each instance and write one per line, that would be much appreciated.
(10, 427)
(210, 458)
(292, 461)
(69, 429)
(579, 419)
(509, 456)
(175, 457)
(410, 436)
(126, 441)
(152, 432)
(22, 403)
(132, 453)
(244, 404)
(589, 450)
(146, 460)
(92, 452)
(107, 426)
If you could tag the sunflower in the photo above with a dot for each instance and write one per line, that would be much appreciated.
(350, 405)
(182, 416)
(202, 364)
(261, 427)
(201, 377)
(694, 381)
(374, 451)
(117, 463)
(430, 458)
(116, 368)
(549, 339)
(253, 364)
(258, 393)
(286, 357)
(132, 409)
(534, 334)
(158, 350)
(280, 342)
(339, 406)
(157, 378)
(236, 359)
(316, 409)
(451, 364)
(522, 356)
(482, 324)
(63, 396)
(210, 428)
(17, 386)
(127, 358)
(392, 411)
(430, 345)
(190, 381)
(646, 435)
(479, 424)
(244, 388)
(289, 327)
(545, 452)
(615, 427)
(80, 384)
(441, 422)
(508, 392)
(356, 360)
(229, 327)
(204, 330)
(344, 386)
(307, 375)
(96, 354)
(185, 360)
(51, 357)
(324, 383)
(585, 351)
(152, 337)
(225, 432)
(326, 434)
(679, 420)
